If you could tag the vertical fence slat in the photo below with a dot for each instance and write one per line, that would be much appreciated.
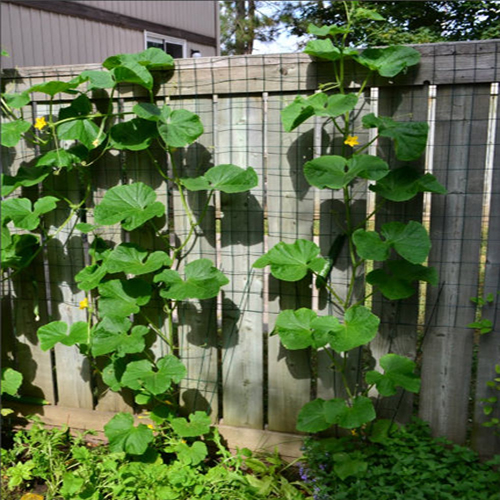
(399, 319)
(461, 129)
(484, 439)
(197, 328)
(290, 209)
(240, 142)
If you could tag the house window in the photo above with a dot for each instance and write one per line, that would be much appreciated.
(173, 46)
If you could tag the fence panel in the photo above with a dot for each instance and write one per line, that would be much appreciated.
(233, 356)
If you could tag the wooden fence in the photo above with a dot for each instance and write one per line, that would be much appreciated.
(235, 368)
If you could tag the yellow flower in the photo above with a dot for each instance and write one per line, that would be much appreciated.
(84, 304)
(31, 496)
(352, 140)
(151, 426)
(95, 143)
(40, 123)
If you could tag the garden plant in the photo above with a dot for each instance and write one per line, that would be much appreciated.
(174, 456)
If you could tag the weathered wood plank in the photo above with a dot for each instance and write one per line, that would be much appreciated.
(290, 203)
(240, 142)
(441, 64)
(484, 439)
(197, 328)
(399, 319)
(461, 128)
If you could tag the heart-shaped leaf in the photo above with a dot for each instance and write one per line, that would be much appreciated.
(199, 424)
(113, 372)
(12, 131)
(324, 49)
(132, 205)
(226, 178)
(411, 241)
(97, 79)
(120, 298)
(19, 211)
(83, 130)
(191, 455)
(124, 436)
(396, 280)
(147, 111)
(57, 331)
(398, 372)
(111, 335)
(135, 135)
(179, 128)
(410, 138)
(156, 380)
(203, 281)
(404, 183)
(301, 109)
(63, 158)
(17, 249)
(389, 61)
(81, 106)
(11, 381)
(360, 327)
(90, 277)
(324, 31)
(303, 328)
(292, 261)
(132, 259)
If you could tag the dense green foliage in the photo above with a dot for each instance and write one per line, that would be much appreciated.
(408, 465)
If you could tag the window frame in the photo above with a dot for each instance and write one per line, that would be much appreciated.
(157, 38)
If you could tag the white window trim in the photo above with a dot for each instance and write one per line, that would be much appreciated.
(149, 36)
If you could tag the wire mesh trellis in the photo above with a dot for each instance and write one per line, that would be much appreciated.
(236, 369)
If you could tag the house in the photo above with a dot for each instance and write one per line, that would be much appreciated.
(61, 32)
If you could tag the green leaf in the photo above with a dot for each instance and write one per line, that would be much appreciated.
(25, 177)
(389, 61)
(339, 104)
(292, 261)
(54, 87)
(404, 183)
(89, 277)
(335, 172)
(18, 249)
(123, 436)
(132, 205)
(323, 31)
(155, 59)
(130, 71)
(199, 424)
(396, 280)
(120, 298)
(179, 128)
(301, 109)
(81, 106)
(323, 49)
(226, 178)
(12, 132)
(132, 259)
(203, 281)
(398, 372)
(373, 15)
(345, 466)
(57, 331)
(19, 211)
(410, 138)
(11, 381)
(361, 412)
(147, 111)
(156, 380)
(71, 485)
(191, 455)
(360, 327)
(111, 335)
(61, 158)
(411, 241)
(313, 417)
(113, 372)
(303, 328)
(135, 135)
(85, 131)
(97, 79)
(380, 431)
(17, 101)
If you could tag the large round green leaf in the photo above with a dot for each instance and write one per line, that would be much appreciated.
(120, 298)
(389, 61)
(226, 178)
(112, 335)
(199, 424)
(124, 436)
(326, 171)
(301, 109)
(83, 130)
(57, 331)
(360, 327)
(11, 381)
(132, 205)
(292, 261)
(19, 211)
(203, 281)
(135, 134)
(131, 259)
(179, 128)
(12, 132)
(324, 49)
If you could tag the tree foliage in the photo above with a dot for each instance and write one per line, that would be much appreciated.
(407, 22)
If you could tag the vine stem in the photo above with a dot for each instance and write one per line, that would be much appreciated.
(341, 370)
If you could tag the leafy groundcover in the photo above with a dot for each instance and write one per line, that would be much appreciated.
(407, 465)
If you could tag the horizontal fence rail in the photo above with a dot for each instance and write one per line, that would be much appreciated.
(237, 370)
